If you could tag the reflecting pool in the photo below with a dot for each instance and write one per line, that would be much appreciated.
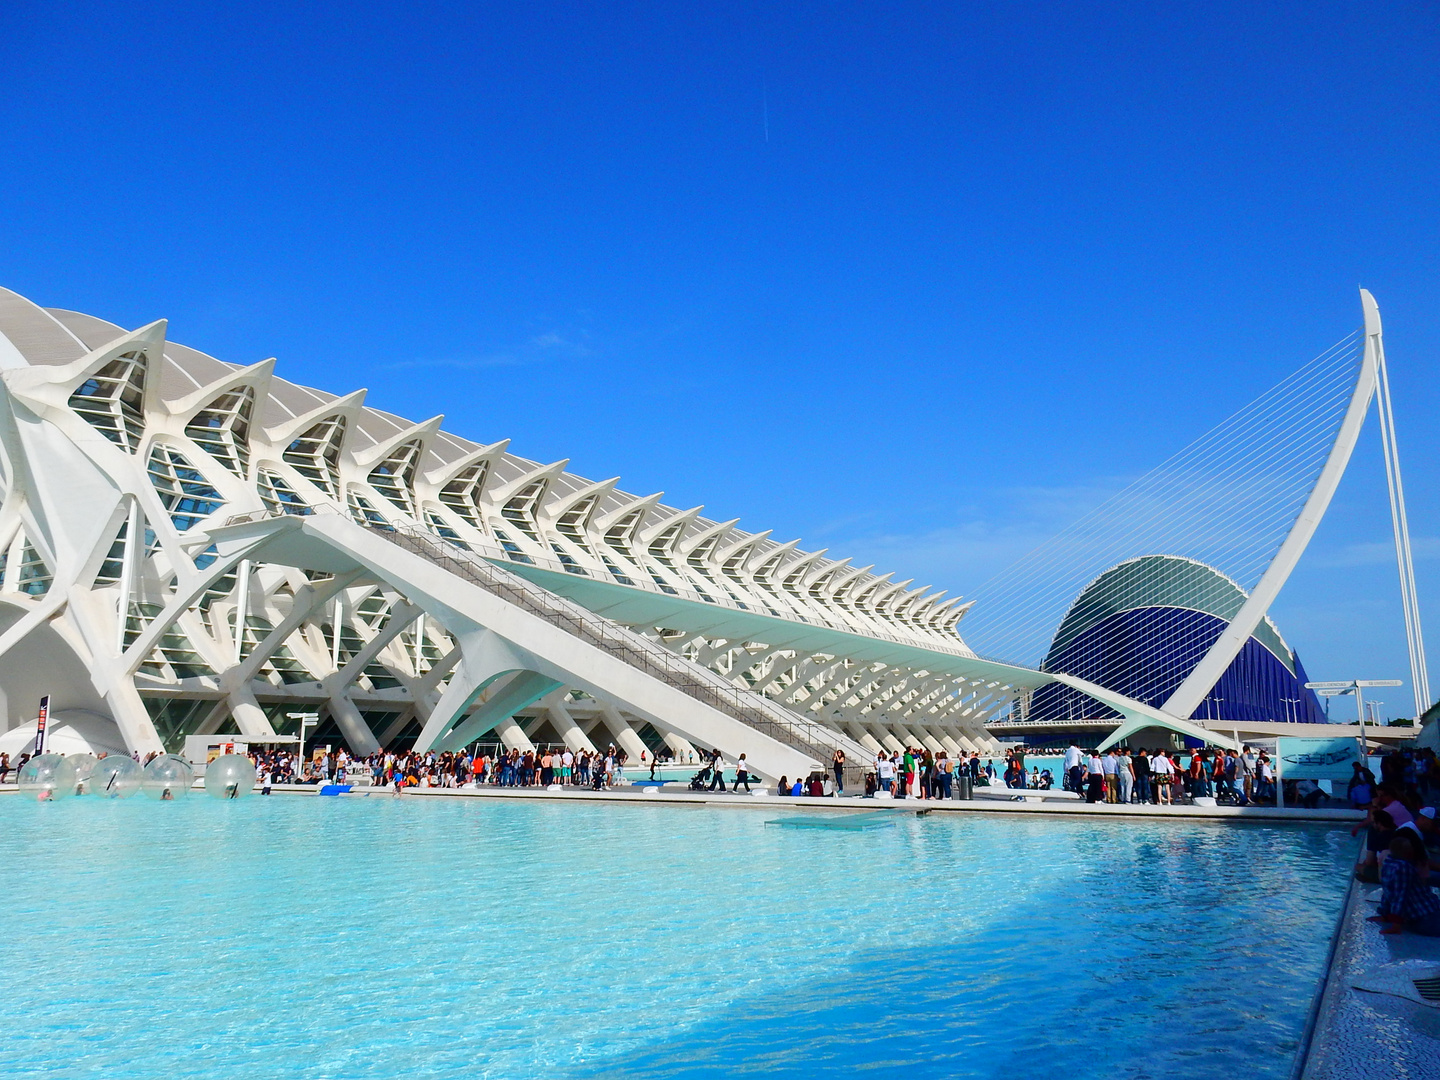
(376, 937)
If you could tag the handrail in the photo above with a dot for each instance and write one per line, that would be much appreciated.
(694, 679)
(918, 637)
(691, 678)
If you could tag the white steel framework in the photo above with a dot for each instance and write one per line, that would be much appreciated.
(190, 546)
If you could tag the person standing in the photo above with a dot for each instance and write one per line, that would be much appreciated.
(1109, 767)
(1199, 775)
(1162, 773)
(1264, 777)
(1097, 779)
(885, 772)
(1141, 766)
(1246, 768)
(1124, 776)
(1073, 770)
(838, 765)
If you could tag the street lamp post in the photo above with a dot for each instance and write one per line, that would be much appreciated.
(1353, 686)
(307, 719)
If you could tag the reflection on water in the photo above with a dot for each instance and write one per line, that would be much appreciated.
(447, 938)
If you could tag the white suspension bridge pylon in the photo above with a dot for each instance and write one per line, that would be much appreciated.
(1163, 591)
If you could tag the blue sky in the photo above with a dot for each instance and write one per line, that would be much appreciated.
(918, 283)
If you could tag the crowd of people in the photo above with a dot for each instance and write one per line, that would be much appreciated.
(1402, 840)
(1164, 777)
(448, 769)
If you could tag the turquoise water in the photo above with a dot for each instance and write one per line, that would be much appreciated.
(446, 938)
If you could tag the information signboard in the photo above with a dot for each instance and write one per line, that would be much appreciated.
(41, 722)
(1317, 759)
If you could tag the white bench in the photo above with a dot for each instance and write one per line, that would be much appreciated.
(1027, 794)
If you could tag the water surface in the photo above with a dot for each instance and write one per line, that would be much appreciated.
(477, 938)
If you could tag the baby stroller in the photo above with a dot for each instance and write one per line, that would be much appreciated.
(700, 779)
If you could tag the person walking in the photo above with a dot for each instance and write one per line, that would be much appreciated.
(742, 775)
(1246, 768)
(717, 765)
(838, 765)
(1199, 775)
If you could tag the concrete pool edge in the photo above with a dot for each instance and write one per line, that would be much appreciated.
(854, 803)
(758, 801)
(1359, 1035)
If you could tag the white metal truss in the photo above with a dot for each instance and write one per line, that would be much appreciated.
(126, 595)
(124, 454)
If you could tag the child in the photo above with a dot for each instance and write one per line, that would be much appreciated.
(1407, 902)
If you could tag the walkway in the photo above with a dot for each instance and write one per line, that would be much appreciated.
(1364, 1036)
(680, 795)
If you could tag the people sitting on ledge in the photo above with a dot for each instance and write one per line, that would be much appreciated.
(1407, 902)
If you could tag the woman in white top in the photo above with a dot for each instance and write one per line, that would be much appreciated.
(1162, 771)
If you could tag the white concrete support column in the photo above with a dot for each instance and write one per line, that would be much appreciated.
(484, 658)
(930, 742)
(680, 746)
(512, 736)
(520, 691)
(951, 746)
(564, 723)
(905, 735)
(887, 740)
(352, 725)
(242, 606)
(249, 717)
(131, 557)
(132, 718)
(337, 624)
(625, 736)
(863, 737)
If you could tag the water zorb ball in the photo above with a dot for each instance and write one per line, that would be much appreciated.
(168, 778)
(84, 765)
(229, 776)
(114, 777)
(47, 777)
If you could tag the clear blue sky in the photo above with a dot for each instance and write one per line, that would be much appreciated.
(915, 282)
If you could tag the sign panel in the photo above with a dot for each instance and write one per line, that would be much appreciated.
(40, 724)
(206, 748)
(1317, 759)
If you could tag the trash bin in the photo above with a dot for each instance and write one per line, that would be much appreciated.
(963, 789)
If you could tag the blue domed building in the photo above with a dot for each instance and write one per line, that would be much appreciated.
(1142, 626)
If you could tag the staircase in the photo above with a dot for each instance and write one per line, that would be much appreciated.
(753, 709)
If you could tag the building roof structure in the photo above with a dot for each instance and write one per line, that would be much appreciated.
(189, 546)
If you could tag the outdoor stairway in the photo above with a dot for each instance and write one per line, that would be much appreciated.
(749, 707)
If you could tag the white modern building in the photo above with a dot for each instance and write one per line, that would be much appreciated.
(195, 547)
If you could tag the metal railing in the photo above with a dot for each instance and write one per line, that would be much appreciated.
(866, 626)
(695, 680)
